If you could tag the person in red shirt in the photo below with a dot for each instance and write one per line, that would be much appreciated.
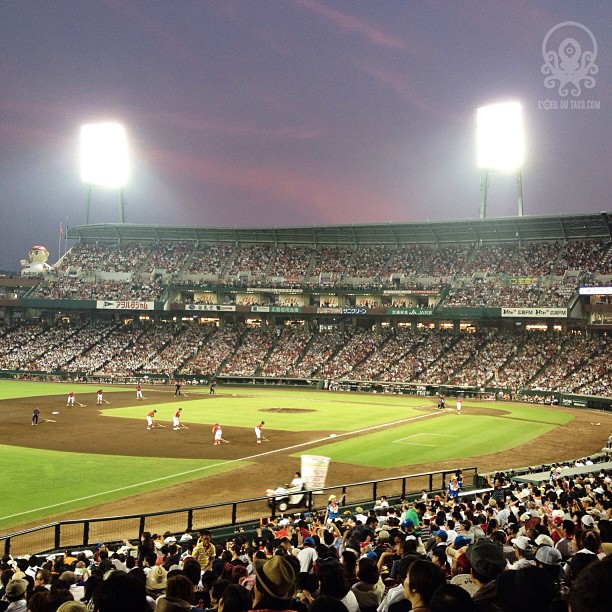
(258, 428)
(138, 392)
(218, 433)
(99, 397)
(150, 422)
(176, 423)
(70, 399)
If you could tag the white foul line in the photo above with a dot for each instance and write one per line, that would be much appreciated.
(208, 467)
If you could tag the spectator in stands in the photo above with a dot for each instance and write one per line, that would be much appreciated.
(235, 598)
(487, 563)
(421, 583)
(529, 589)
(334, 584)
(120, 592)
(370, 588)
(274, 584)
(204, 552)
(15, 594)
(591, 590)
(451, 598)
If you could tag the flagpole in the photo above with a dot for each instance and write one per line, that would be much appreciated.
(59, 246)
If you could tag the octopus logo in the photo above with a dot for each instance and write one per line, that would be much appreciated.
(569, 50)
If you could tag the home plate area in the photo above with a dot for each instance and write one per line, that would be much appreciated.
(423, 439)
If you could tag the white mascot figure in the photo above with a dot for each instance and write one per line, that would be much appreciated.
(37, 264)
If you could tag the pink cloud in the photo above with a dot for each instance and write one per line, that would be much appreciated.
(348, 23)
(235, 127)
(326, 198)
(409, 91)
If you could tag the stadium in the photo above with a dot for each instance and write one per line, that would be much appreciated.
(352, 331)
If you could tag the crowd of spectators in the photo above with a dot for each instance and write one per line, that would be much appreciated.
(72, 288)
(365, 261)
(510, 360)
(544, 547)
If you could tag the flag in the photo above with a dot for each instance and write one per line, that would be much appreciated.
(61, 231)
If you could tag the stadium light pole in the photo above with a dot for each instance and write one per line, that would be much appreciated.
(501, 147)
(104, 160)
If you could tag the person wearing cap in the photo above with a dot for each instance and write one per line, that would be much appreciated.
(523, 549)
(150, 419)
(487, 562)
(441, 538)
(176, 419)
(274, 584)
(308, 555)
(333, 509)
(549, 559)
(15, 594)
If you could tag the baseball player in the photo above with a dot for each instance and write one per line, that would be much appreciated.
(176, 422)
(458, 406)
(218, 433)
(70, 401)
(138, 392)
(258, 428)
(99, 397)
(35, 414)
(150, 421)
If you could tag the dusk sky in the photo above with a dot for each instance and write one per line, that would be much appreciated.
(297, 112)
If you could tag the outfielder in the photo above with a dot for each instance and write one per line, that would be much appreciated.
(150, 421)
(258, 428)
(218, 433)
(70, 401)
(176, 422)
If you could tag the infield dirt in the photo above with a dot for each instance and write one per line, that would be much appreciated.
(82, 429)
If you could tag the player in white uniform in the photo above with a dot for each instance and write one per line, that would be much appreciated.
(176, 419)
(458, 407)
(99, 397)
(258, 431)
(218, 433)
(70, 401)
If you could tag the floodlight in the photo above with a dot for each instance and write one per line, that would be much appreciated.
(501, 147)
(500, 136)
(104, 159)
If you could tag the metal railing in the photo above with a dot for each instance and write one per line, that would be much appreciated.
(75, 534)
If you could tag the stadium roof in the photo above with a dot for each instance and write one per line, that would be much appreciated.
(506, 229)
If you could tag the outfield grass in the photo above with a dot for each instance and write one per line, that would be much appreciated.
(448, 437)
(14, 389)
(44, 481)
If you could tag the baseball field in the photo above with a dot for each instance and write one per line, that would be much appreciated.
(98, 460)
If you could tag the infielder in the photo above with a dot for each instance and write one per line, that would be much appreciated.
(99, 397)
(258, 428)
(150, 421)
(176, 422)
(138, 392)
(218, 433)
(70, 399)
(35, 414)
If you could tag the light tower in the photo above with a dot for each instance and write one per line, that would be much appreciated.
(104, 160)
(501, 147)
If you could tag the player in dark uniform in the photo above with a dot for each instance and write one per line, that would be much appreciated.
(35, 414)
